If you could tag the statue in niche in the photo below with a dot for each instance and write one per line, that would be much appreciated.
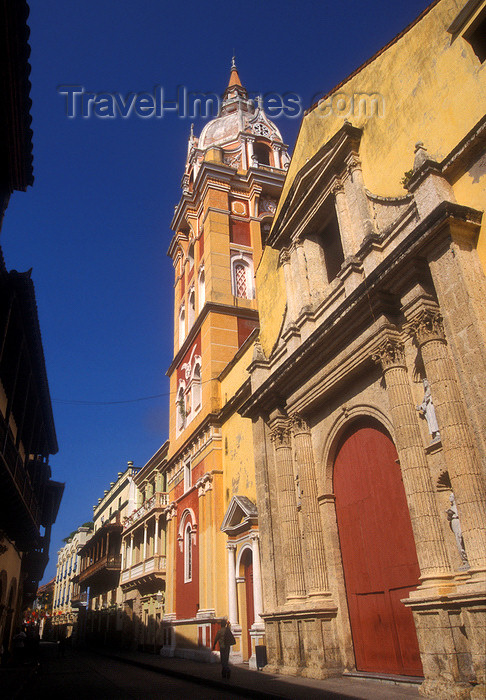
(455, 525)
(427, 411)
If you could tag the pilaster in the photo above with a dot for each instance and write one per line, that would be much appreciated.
(431, 553)
(313, 547)
(287, 504)
(460, 455)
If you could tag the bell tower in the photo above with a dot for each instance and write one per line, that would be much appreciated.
(233, 176)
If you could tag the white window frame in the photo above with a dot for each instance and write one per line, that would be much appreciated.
(188, 552)
(191, 308)
(187, 475)
(246, 260)
(182, 324)
(201, 289)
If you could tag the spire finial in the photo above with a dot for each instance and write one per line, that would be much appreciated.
(233, 61)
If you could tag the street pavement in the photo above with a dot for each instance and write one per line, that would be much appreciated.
(103, 674)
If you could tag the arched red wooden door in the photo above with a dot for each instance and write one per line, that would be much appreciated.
(378, 552)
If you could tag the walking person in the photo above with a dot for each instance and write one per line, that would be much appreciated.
(226, 640)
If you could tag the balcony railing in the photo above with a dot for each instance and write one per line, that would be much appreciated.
(110, 562)
(152, 565)
(158, 500)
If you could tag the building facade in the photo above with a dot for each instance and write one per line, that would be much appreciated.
(143, 557)
(97, 591)
(233, 177)
(369, 378)
(64, 615)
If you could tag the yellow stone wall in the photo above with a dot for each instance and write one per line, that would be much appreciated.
(238, 462)
(434, 91)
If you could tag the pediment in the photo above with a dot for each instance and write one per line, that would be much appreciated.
(241, 515)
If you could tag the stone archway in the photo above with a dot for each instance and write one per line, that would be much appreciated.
(378, 550)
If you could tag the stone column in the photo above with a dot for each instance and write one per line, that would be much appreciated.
(156, 535)
(249, 152)
(313, 549)
(124, 544)
(257, 577)
(298, 268)
(356, 173)
(459, 452)
(419, 489)
(292, 301)
(276, 155)
(144, 541)
(232, 607)
(287, 505)
(347, 237)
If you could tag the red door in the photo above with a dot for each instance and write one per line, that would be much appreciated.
(250, 606)
(378, 552)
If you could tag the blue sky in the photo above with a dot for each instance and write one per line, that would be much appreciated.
(95, 226)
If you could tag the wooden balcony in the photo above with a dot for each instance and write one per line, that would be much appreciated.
(109, 562)
(156, 503)
(151, 570)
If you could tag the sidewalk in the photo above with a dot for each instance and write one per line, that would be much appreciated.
(262, 685)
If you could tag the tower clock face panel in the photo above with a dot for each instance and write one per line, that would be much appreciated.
(238, 207)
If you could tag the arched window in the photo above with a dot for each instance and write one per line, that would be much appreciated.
(191, 312)
(182, 325)
(181, 409)
(242, 276)
(201, 289)
(196, 388)
(190, 256)
(262, 153)
(187, 553)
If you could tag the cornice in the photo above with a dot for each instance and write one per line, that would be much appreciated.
(214, 307)
(429, 234)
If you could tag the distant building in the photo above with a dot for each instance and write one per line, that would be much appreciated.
(68, 560)
(29, 499)
(233, 177)
(368, 388)
(143, 563)
(98, 593)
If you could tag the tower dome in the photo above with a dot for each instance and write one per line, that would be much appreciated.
(243, 132)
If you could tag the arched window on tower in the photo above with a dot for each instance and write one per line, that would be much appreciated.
(190, 256)
(201, 289)
(191, 311)
(182, 325)
(242, 276)
(180, 409)
(196, 388)
(262, 153)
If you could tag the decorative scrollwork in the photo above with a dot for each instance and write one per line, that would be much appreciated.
(427, 325)
(390, 353)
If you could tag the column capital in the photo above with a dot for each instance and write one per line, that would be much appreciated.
(231, 546)
(337, 187)
(254, 535)
(426, 325)
(353, 162)
(280, 436)
(299, 424)
(284, 257)
(390, 353)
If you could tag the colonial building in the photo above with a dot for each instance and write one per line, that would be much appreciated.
(29, 499)
(368, 384)
(143, 562)
(68, 560)
(233, 177)
(97, 585)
